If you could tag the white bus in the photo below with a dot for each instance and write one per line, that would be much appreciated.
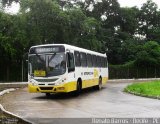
(55, 68)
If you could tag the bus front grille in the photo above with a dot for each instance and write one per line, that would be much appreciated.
(46, 88)
(46, 80)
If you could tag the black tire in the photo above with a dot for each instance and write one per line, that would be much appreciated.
(78, 90)
(99, 86)
(48, 94)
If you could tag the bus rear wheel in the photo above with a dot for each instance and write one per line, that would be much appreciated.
(99, 86)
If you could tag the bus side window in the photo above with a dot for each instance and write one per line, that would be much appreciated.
(103, 62)
(83, 59)
(106, 62)
(89, 60)
(77, 59)
(70, 62)
(94, 61)
(97, 61)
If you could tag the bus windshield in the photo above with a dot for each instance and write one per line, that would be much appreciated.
(47, 65)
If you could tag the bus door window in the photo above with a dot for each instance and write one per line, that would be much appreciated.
(70, 62)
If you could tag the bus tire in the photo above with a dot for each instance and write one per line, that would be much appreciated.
(48, 94)
(78, 89)
(99, 86)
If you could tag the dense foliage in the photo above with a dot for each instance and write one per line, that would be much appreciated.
(125, 34)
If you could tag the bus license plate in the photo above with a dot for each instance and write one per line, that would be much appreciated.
(39, 73)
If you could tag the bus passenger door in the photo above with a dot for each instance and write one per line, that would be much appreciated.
(71, 69)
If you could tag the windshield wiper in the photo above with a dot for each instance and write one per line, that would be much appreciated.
(52, 57)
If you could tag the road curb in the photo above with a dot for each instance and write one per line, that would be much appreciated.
(7, 91)
(140, 79)
(142, 95)
(2, 108)
(14, 83)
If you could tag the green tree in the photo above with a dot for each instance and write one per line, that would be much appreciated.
(11, 45)
(149, 54)
(48, 23)
(8, 2)
(129, 20)
(148, 19)
(42, 20)
(129, 49)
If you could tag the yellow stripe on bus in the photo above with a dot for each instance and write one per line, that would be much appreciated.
(67, 87)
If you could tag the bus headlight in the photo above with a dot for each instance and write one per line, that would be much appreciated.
(63, 80)
(32, 82)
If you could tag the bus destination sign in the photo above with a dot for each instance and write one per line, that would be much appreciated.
(47, 49)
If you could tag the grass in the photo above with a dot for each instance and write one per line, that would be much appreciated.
(147, 89)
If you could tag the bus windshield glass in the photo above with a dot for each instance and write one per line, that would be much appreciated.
(47, 65)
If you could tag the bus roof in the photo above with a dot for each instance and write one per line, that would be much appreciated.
(73, 48)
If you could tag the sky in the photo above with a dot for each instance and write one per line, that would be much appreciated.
(13, 9)
(123, 3)
(138, 3)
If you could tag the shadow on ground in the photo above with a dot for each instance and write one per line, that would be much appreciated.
(71, 95)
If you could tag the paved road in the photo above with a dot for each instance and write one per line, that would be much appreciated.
(109, 102)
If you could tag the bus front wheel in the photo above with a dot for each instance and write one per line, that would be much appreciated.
(78, 89)
(48, 94)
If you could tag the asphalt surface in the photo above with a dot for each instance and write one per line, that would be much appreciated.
(110, 102)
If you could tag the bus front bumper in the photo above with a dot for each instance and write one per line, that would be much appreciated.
(67, 87)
